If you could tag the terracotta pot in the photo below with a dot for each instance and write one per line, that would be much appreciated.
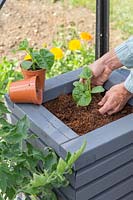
(40, 73)
(26, 91)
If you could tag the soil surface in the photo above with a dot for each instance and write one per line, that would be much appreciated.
(39, 21)
(82, 119)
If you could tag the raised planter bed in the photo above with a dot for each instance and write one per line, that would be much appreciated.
(105, 169)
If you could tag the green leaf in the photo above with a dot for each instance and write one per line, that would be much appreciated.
(26, 64)
(20, 132)
(61, 167)
(3, 181)
(81, 94)
(86, 73)
(44, 58)
(76, 155)
(3, 109)
(38, 180)
(50, 161)
(85, 99)
(97, 89)
(23, 45)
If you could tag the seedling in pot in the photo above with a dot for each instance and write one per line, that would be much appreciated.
(38, 59)
(82, 92)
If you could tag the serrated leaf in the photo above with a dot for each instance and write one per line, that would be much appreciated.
(20, 132)
(23, 45)
(86, 73)
(44, 58)
(97, 89)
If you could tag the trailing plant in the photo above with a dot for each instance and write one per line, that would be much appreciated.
(82, 92)
(36, 59)
(8, 73)
(26, 170)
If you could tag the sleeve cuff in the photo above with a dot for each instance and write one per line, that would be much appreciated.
(129, 82)
(125, 52)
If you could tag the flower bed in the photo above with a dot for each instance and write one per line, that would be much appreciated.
(104, 171)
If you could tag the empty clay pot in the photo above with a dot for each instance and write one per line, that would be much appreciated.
(26, 91)
(40, 73)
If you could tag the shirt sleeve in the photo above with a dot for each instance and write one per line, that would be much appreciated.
(129, 82)
(125, 55)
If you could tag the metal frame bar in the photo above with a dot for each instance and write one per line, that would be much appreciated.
(2, 3)
(102, 27)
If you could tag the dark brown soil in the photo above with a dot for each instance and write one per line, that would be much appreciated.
(82, 119)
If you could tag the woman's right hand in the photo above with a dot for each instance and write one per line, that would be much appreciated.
(103, 67)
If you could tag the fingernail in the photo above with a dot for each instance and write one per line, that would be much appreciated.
(101, 112)
(100, 103)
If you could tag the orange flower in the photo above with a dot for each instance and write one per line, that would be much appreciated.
(58, 53)
(85, 36)
(74, 45)
(27, 57)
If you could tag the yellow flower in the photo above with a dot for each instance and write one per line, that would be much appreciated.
(27, 57)
(58, 53)
(74, 45)
(85, 36)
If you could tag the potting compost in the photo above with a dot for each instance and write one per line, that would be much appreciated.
(82, 119)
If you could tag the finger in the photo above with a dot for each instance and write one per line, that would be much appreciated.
(97, 81)
(107, 107)
(104, 99)
(113, 111)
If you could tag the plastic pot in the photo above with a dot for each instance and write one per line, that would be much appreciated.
(40, 73)
(26, 91)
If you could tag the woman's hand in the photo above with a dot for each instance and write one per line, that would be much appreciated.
(114, 99)
(103, 67)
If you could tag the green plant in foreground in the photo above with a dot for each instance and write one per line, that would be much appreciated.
(82, 93)
(26, 169)
(8, 73)
(37, 59)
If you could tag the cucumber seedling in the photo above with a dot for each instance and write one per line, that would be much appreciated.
(82, 92)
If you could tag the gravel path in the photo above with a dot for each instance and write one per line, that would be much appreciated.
(39, 21)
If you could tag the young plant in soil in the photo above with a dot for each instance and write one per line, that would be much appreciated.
(36, 59)
(20, 172)
(82, 92)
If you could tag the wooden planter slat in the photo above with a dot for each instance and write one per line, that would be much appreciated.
(59, 85)
(117, 191)
(127, 197)
(99, 185)
(100, 168)
(121, 191)
(69, 133)
(39, 125)
(102, 141)
(103, 170)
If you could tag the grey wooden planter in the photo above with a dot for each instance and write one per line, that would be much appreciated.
(105, 169)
